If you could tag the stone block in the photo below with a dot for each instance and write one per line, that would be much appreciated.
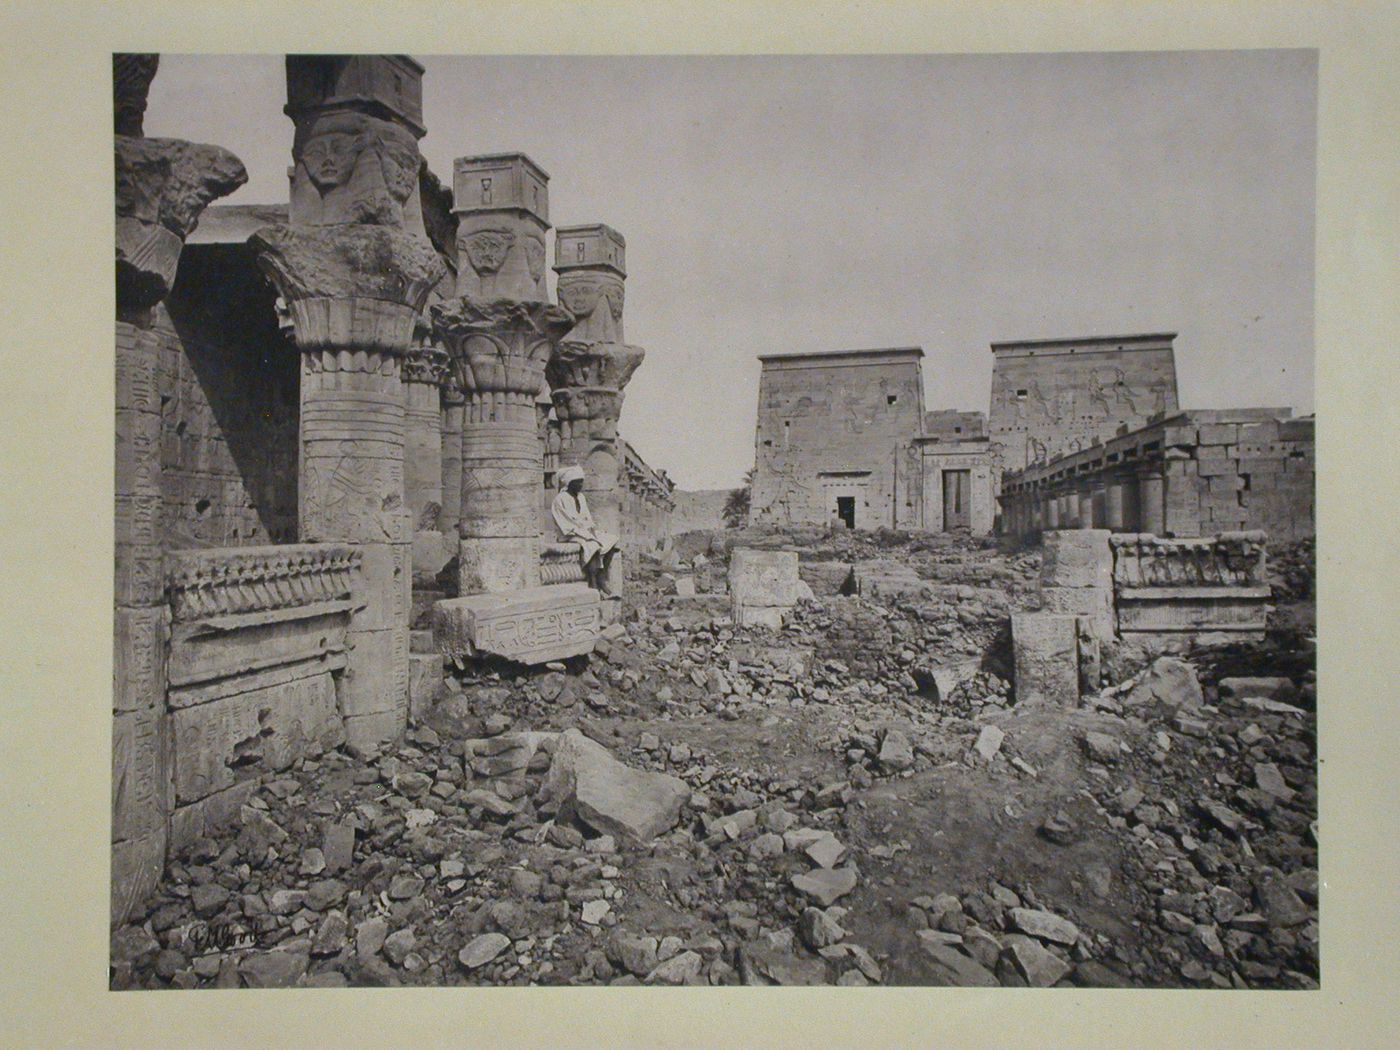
(141, 800)
(371, 733)
(1219, 434)
(1093, 603)
(138, 664)
(425, 683)
(531, 626)
(1076, 558)
(586, 782)
(136, 869)
(197, 820)
(375, 680)
(382, 586)
(432, 551)
(1046, 658)
(763, 586)
(226, 645)
(222, 742)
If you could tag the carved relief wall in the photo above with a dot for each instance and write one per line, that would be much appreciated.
(824, 414)
(1052, 397)
(228, 396)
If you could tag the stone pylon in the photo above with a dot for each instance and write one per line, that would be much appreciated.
(500, 331)
(355, 269)
(592, 366)
(162, 186)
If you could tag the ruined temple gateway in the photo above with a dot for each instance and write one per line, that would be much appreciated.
(322, 406)
(843, 440)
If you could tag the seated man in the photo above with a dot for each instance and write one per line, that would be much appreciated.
(575, 524)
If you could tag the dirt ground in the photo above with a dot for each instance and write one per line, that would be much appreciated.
(1161, 842)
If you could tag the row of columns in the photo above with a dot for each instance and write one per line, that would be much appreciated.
(1121, 501)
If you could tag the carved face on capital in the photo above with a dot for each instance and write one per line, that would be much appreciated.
(534, 257)
(486, 250)
(579, 294)
(331, 150)
(398, 154)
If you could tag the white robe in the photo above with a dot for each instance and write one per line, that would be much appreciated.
(575, 524)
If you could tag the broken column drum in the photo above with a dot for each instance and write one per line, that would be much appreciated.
(500, 332)
(592, 366)
(355, 269)
(162, 186)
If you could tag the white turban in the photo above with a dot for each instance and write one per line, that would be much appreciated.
(569, 474)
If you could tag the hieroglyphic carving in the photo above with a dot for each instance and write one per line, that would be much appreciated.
(532, 625)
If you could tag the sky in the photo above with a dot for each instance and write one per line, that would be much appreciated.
(776, 204)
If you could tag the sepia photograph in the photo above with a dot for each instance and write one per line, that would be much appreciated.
(738, 520)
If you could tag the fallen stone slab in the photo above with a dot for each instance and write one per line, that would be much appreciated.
(481, 950)
(896, 752)
(825, 885)
(1169, 683)
(535, 625)
(1046, 652)
(784, 968)
(585, 782)
(274, 969)
(989, 742)
(958, 969)
(763, 586)
(1044, 924)
(1040, 967)
(1266, 688)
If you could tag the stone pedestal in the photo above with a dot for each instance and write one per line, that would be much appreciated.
(1076, 577)
(162, 186)
(763, 586)
(534, 625)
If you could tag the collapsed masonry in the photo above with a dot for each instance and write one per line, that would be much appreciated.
(283, 520)
(1099, 588)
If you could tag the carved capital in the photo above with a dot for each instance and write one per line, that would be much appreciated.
(606, 366)
(596, 298)
(499, 346)
(162, 186)
(131, 82)
(350, 285)
(426, 364)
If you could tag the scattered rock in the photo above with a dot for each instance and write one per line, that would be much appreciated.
(826, 885)
(481, 950)
(586, 782)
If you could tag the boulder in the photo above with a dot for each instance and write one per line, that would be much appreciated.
(587, 783)
(955, 968)
(1044, 924)
(1169, 683)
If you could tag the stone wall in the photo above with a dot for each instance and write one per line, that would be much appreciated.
(701, 510)
(229, 408)
(950, 424)
(257, 647)
(832, 427)
(1055, 396)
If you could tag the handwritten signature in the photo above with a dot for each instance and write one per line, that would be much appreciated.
(206, 937)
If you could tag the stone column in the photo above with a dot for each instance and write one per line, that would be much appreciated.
(162, 186)
(1085, 498)
(592, 366)
(1052, 511)
(453, 404)
(1150, 501)
(355, 269)
(424, 372)
(500, 331)
(1114, 501)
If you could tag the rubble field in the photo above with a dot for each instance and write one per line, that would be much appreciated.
(854, 799)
